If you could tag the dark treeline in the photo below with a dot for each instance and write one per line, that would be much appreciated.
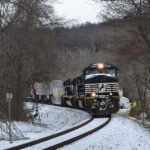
(83, 36)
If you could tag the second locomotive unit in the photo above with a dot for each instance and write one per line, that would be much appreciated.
(96, 90)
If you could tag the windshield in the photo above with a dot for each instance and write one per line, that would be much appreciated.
(109, 72)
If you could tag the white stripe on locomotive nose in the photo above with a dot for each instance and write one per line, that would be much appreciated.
(101, 87)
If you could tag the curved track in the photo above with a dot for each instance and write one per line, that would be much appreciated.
(62, 134)
(78, 137)
(49, 137)
(67, 106)
(71, 137)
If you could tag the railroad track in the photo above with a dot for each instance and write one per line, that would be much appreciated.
(66, 137)
(66, 106)
(50, 137)
(35, 144)
(78, 137)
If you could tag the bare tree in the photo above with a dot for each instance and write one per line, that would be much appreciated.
(21, 46)
(136, 13)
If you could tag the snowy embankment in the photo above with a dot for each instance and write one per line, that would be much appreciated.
(54, 119)
(125, 113)
(120, 134)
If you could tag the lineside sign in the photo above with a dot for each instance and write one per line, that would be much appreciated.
(9, 96)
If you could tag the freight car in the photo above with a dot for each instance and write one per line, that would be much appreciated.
(47, 92)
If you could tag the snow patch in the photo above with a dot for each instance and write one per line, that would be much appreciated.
(120, 134)
(53, 119)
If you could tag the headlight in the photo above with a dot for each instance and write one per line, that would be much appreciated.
(110, 94)
(93, 94)
(100, 66)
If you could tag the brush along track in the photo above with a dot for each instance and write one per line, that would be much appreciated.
(49, 137)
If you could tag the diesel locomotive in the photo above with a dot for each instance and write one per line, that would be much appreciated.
(96, 90)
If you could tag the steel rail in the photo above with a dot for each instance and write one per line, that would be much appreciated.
(59, 145)
(32, 143)
(73, 107)
(49, 137)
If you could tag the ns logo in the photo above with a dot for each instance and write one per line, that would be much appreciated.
(101, 87)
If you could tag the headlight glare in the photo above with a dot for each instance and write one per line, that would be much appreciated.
(93, 94)
(110, 94)
(101, 66)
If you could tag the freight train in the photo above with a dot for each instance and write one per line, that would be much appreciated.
(96, 90)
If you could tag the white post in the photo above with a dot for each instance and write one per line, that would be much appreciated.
(9, 109)
(143, 119)
(9, 97)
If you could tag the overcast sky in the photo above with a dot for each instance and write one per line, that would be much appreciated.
(80, 10)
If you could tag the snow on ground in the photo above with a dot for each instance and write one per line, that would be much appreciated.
(55, 119)
(125, 113)
(120, 134)
(95, 123)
